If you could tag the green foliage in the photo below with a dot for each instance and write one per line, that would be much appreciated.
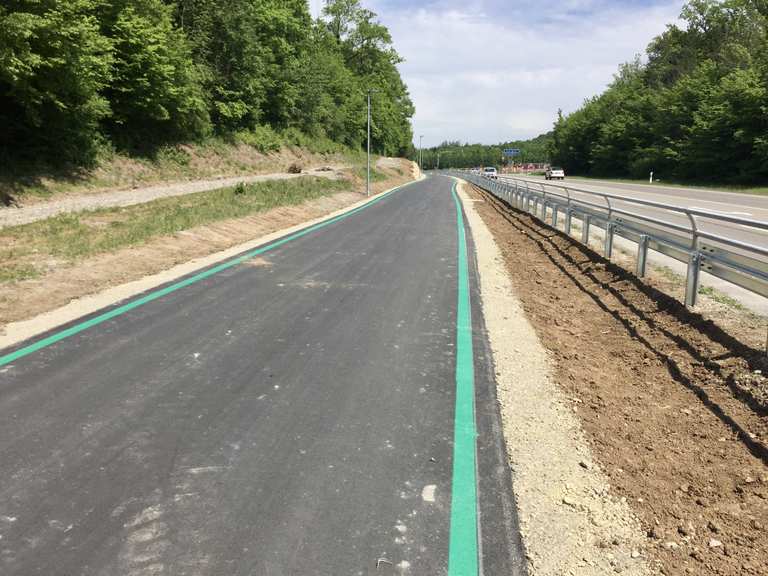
(457, 155)
(263, 138)
(154, 93)
(697, 110)
(78, 76)
(54, 66)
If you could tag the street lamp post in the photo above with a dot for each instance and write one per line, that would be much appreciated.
(368, 171)
(421, 157)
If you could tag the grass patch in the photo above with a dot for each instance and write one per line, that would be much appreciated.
(376, 176)
(16, 272)
(721, 298)
(76, 236)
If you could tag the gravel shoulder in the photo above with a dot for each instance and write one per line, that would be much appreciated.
(571, 521)
(671, 404)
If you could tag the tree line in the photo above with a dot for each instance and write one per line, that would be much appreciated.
(77, 75)
(458, 155)
(695, 108)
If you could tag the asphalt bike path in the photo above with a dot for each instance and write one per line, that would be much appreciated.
(321, 405)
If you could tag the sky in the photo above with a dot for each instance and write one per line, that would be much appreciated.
(491, 71)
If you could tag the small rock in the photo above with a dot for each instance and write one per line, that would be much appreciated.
(686, 529)
(714, 543)
(713, 527)
(585, 465)
(569, 502)
(672, 545)
(635, 554)
(656, 533)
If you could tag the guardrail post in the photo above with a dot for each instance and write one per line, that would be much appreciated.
(694, 266)
(554, 216)
(585, 230)
(568, 221)
(608, 248)
(692, 280)
(642, 255)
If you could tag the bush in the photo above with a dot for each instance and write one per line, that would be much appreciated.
(263, 138)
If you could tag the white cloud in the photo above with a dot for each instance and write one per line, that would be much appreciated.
(481, 78)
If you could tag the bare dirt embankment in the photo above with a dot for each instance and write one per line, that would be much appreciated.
(64, 281)
(673, 406)
(570, 521)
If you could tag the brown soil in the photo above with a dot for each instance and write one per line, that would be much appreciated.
(64, 281)
(672, 405)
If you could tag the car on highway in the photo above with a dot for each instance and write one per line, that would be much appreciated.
(490, 172)
(554, 173)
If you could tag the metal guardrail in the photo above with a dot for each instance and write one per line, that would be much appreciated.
(691, 240)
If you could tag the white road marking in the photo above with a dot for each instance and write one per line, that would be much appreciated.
(722, 211)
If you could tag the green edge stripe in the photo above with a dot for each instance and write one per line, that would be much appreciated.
(95, 321)
(463, 555)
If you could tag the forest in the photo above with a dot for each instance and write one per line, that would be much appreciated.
(458, 155)
(79, 76)
(694, 108)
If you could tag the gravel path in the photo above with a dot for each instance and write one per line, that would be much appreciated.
(111, 199)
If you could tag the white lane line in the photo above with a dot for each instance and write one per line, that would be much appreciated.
(722, 211)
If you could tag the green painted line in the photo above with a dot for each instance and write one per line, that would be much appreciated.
(463, 558)
(101, 318)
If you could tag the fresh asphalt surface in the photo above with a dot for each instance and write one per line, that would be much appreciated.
(291, 415)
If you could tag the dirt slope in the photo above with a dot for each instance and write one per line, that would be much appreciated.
(673, 406)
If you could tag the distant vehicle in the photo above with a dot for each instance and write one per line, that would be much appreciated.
(490, 172)
(555, 173)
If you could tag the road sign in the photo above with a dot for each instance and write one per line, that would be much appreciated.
(511, 151)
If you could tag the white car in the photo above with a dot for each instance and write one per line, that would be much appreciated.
(555, 173)
(490, 172)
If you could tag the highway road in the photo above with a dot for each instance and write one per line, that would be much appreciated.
(754, 205)
(749, 206)
(322, 405)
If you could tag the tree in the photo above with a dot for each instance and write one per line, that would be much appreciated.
(696, 110)
(54, 65)
(155, 93)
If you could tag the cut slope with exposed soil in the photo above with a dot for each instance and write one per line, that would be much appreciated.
(672, 405)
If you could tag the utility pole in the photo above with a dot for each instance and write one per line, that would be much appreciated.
(421, 163)
(368, 171)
